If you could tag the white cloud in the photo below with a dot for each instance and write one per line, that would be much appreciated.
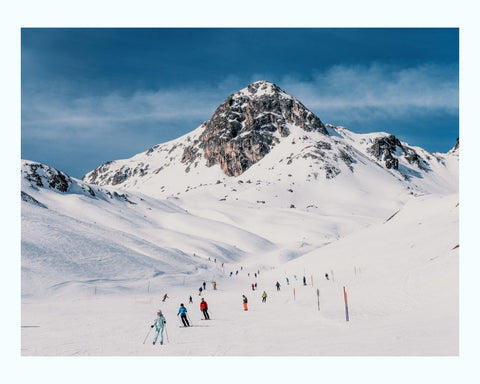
(367, 90)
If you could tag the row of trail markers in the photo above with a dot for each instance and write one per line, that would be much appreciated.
(347, 318)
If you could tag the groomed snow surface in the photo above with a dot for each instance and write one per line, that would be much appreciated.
(400, 276)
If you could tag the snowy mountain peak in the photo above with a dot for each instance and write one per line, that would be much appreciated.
(262, 125)
(263, 87)
(246, 126)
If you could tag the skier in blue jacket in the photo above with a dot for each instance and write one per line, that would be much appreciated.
(159, 325)
(182, 311)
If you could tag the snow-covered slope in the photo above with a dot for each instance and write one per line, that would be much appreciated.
(82, 235)
(262, 187)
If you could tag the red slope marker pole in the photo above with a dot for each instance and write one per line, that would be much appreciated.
(293, 294)
(346, 303)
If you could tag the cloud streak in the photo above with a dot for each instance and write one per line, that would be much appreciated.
(378, 89)
(363, 90)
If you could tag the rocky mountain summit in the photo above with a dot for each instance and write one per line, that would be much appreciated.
(247, 124)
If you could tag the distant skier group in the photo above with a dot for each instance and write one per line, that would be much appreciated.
(160, 321)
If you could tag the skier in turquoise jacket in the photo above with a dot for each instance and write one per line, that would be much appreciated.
(159, 325)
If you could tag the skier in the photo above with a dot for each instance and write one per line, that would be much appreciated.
(204, 285)
(204, 309)
(304, 281)
(214, 285)
(326, 276)
(253, 287)
(200, 291)
(165, 297)
(288, 281)
(245, 301)
(278, 286)
(190, 300)
(264, 297)
(182, 311)
(159, 325)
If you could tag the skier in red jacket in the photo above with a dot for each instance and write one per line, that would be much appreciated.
(204, 309)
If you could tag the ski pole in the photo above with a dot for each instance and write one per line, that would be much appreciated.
(166, 334)
(150, 330)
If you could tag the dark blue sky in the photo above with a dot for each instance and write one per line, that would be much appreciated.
(93, 95)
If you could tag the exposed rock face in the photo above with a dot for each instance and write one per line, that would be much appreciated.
(247, 124)
(389, 148)
(43, 176)
(384, 149)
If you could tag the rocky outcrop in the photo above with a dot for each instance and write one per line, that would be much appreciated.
(43, 176)
(384, 148)
(388, 148)
(247, 124)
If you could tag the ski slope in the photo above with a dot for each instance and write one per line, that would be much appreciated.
(400, 275)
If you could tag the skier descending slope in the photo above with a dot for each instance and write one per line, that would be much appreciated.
(204, 309)
(159, 325)
(182, 311)
(245, 301)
